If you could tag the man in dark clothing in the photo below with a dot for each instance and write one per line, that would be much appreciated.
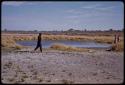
(39, 43)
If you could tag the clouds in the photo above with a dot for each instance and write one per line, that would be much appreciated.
(94, 10)
(97, 15)
(51, 15)
(21, 3)
(12, 3)
(91, 6)
(101, 7)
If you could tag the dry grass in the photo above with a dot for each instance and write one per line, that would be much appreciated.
(58, 46)
(104, 39)
(118, 47)
(61, 37)
(8, 40)
(67, 81)
(18, 47)
(9, 43)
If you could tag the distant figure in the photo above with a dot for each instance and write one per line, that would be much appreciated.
(116, 40)
(39, 43)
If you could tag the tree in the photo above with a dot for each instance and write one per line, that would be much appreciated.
(110, 29)
(5, 30)
(35, 30)
(71, 29)
(85, 30)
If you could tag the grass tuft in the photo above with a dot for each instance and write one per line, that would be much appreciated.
(63, 47)
(118, 47)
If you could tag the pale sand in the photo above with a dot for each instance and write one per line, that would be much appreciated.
(61, 67)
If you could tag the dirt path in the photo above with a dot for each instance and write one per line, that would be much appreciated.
(62, 67)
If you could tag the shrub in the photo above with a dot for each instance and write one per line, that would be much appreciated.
(58, 46)
(118, 47)
(18, 47)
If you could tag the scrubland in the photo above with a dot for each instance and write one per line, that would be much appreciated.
(61, 64)
(9, 40)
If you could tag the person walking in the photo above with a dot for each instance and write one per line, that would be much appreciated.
(39, 43)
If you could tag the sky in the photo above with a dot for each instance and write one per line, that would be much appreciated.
(63, 15)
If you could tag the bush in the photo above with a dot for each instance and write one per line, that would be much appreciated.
(63, 47)
(18, 47)
(118, 47)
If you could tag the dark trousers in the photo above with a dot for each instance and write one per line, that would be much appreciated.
(38, 45)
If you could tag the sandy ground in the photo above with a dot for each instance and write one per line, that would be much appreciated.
(61, 67)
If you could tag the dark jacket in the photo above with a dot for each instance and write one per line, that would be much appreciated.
(39, 40)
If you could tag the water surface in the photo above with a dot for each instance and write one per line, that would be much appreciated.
(82, 44)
